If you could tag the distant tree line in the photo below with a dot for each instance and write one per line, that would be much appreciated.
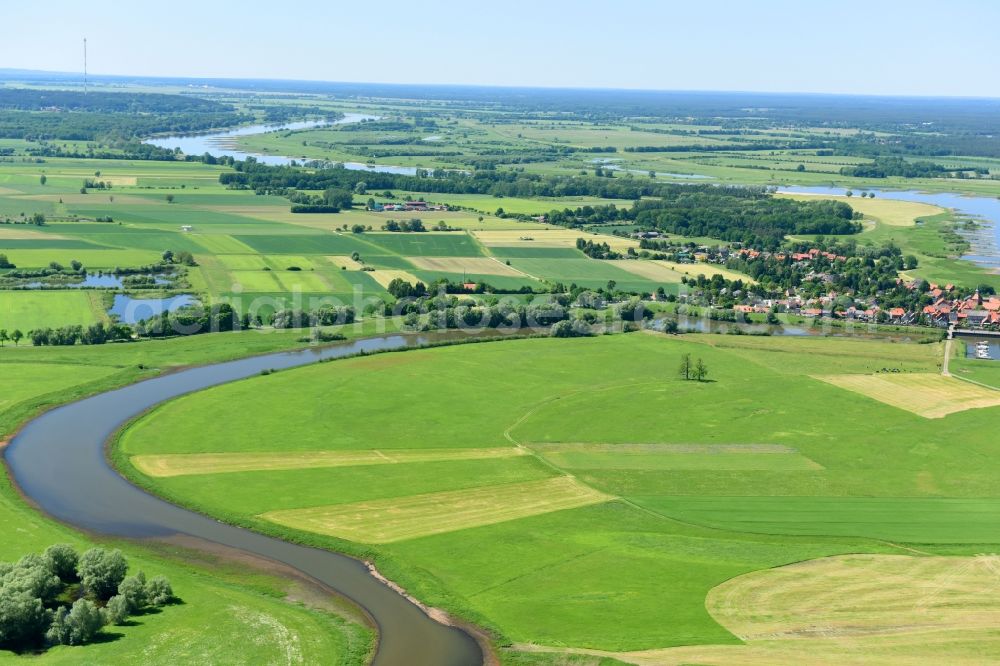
(288, 181)
(748, 215)
(885, 167)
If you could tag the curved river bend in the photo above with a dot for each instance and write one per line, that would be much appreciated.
(58, 461)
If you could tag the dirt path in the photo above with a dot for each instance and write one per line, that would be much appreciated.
(947, 358)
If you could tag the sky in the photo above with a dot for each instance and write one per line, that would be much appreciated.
(891, 47)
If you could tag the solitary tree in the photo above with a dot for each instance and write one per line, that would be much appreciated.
(4, 336)
(42, 179)
(170, 198)
(700, 370)
(16, 336)
(685, 370)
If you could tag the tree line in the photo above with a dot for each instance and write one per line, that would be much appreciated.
(747, 215)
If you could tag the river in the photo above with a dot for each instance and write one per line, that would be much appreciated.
(222, 144)
(58, 461)
(985, 246)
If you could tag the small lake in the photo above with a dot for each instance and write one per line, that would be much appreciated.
(985, 242)
(220, 144)
(133, 310)
(610, 164)
(91, 281)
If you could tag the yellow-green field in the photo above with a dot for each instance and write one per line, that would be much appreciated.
(551, 237)
(670, 271)
(932, 396)
(385, 276)
(474, 265)
(386, 521)
(893, 212)
(870, 610)
(181, 464)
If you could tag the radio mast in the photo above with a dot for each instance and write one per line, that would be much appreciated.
(84, 65)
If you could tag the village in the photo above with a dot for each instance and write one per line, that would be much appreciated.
(900, 302)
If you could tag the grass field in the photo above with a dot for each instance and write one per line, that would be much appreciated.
(680, 494)
(27, 310)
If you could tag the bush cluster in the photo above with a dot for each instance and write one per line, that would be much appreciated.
(63, 598)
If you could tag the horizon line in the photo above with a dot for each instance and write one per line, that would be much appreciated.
(493, 86)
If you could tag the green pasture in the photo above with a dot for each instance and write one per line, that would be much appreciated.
(41, 258)
(306, 244)
(714, 479)
(26, 310)
(915, 520)
(428, 244)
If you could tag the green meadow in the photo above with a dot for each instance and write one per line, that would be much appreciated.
(696, 482)
(26, 310)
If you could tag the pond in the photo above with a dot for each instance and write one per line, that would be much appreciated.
(90, 281)
(133, 310)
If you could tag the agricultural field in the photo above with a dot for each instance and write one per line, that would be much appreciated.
(249, 250)
(892, 212)
(560, 513)
(26, 310)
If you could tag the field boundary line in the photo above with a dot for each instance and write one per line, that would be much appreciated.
(973, 381)
(514, 268)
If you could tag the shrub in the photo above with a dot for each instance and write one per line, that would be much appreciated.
(31, 575)
(22, 618)
(133, 591)
(77, 626)
(570, 329)
(116, 610)
(159, 591)
(62, 560)
(102, 571)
